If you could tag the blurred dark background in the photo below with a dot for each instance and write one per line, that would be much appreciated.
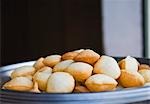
(35, 28)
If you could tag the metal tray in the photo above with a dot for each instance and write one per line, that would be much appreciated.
(139, 95)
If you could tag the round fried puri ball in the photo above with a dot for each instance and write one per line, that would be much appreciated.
(129, 64)
(87, 56)
(60, 67)
(41, 77)
(39, 63)
(80, 71)
(107, 65)
(60, 82)
(52, 60)
(19, 84)
(146, 74)
(100, 82)
(71, 55)
(130, 79)
(23, 71)
(144, 66)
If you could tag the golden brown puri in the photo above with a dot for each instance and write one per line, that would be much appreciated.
(107, 65)
(80, 89)
(88, 56)
(23, 71)
(72, 72)
(80, 71)
(129, 64)
(35, 88)
(60, 82)
(146, 74)
(45, 69)
(19, 84)
(71, 55)
(60, 67)
(41, 77)
(100, 82)
(39, 63)
(144, 66)
(52, 60)
(130, 79)
(121, 64)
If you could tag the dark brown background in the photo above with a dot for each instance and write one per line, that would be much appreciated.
(34, 28)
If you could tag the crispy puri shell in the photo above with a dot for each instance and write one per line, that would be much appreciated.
(100, 82)
(146, 74)
(41, 77)
(19, 84)
(80, 71)
(69, 55)
(100, 87)
(52, 60)
(122, 64)
(23, 71)
(131, 79)
(107, 65)
(129, 64)
(39, 63)
(88, 56)
(60, 82)
(60, 67)
(144, 66)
